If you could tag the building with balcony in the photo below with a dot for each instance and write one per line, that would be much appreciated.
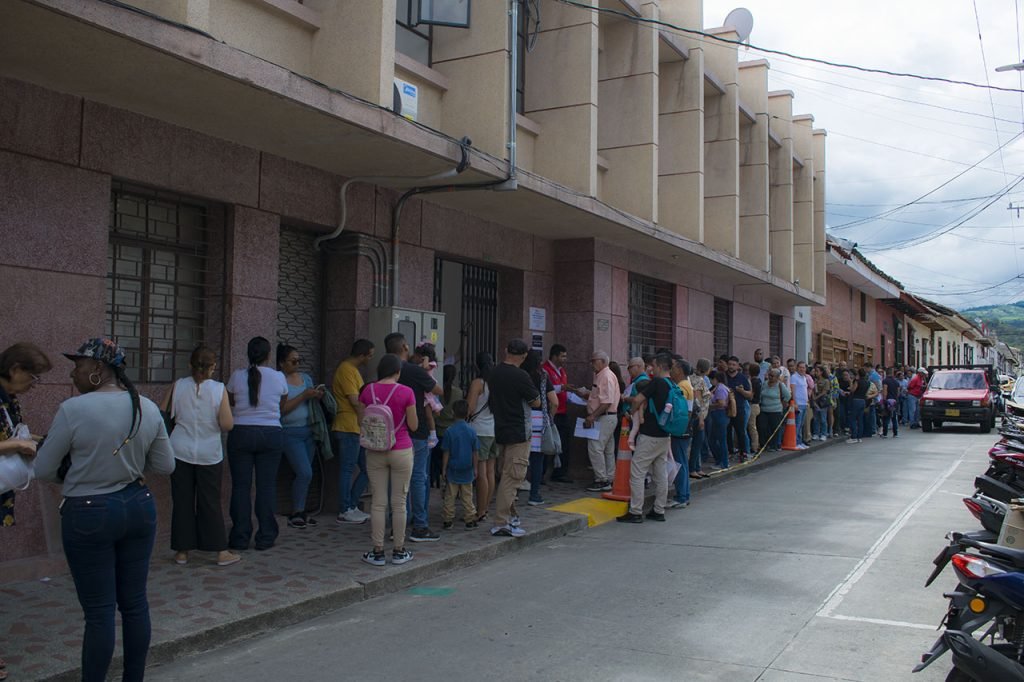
(170, 165)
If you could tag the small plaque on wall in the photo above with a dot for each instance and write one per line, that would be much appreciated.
(603, 324)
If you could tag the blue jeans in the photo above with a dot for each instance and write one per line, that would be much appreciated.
(108, 541)
(870, 425)
(536, 475)
(801, 412)
(419, 486)
(913, 404)
(820, 426)
(856, 417)
(904, 404)
(351, 455)
(697, 446)
(254, 448)
(739, 426)
(299, 451)
(893, 417)
(719, 445)
(681, 452)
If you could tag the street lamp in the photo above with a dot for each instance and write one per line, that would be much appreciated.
(1011, 67)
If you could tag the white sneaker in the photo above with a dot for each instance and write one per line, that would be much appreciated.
(353, 515)
(852, 440)
(525, 485)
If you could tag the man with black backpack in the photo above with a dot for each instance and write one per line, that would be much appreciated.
(664, 412)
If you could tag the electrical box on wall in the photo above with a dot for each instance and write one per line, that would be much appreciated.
(418, 326)
(406, 99)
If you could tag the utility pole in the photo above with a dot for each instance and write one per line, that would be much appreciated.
(1018, 208)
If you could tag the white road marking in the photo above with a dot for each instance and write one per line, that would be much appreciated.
(837, 595)
(882, 621)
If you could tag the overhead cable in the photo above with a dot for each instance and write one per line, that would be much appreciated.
(815, 60)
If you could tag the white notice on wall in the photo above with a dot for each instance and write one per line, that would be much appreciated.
(538, 319)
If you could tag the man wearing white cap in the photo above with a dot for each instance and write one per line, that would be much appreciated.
(915, 389)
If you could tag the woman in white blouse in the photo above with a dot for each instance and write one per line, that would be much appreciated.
(201, 412)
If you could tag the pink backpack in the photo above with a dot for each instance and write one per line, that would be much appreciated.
(377, 429)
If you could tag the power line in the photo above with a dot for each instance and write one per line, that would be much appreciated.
(900, 99)
(921, 239)
(992, 103)
(815, 60)
(861, 221)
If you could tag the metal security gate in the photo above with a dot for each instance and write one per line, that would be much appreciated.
(722, 328)
(300, 324)
(468, 295)
(651, 315)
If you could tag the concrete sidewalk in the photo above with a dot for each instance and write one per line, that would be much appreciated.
(309, 572)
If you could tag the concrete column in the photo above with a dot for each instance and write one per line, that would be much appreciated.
(819, 212)
(563, 101)
(803, 201)
(681, 146)
(253, 250)
(722, 148)
(687, 13)
(780, 200)
(475, 60)
(754, 168)
(627, 121)
(354, 48)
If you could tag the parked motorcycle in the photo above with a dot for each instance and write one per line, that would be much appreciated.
(989, 596)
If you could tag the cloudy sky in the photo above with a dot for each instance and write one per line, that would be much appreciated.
(891, 140)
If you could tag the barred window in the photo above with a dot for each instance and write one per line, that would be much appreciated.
(156, 280)
(651, 315)
(775, 335)
(299, 308)
(723, 327)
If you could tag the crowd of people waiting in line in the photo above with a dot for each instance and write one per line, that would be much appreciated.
(512, 430)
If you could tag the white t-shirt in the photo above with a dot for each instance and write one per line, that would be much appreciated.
(267, 412)
(196, 434)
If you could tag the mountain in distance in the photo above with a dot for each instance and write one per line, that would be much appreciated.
(1006, 320)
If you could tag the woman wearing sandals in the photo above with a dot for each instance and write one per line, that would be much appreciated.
(389, 470)
(298, 434)
(201, 412)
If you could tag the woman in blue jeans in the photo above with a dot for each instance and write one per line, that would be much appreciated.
(298, 434)
(858, 399)
(100, 445)
(257, 395)
(719, 420)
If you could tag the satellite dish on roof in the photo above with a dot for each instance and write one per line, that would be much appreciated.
(743, 21)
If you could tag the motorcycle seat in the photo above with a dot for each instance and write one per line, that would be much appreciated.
(1013, 556)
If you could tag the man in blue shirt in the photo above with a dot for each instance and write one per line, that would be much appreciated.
(461, 448)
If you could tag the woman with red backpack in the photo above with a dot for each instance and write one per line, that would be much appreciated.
(388, 417)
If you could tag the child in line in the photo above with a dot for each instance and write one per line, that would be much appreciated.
(461, 449)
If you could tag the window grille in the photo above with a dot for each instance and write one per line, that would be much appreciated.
(775, 335)
(863, 307)
(651, 315)
(723, 327)
(157, 280)
(299, 296)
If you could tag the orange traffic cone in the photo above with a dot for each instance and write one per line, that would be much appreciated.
(620, 487)
(789, 435)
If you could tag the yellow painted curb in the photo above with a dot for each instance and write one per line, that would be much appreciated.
(596, 510)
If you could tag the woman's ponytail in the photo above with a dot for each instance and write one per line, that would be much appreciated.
(258, 351)
(123, 379)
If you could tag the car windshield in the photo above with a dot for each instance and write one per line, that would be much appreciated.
(952, 381)
(1018, 391)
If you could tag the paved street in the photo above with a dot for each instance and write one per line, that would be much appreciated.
(812, 570)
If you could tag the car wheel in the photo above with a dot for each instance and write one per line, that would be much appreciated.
(986, 426)
(926, 425)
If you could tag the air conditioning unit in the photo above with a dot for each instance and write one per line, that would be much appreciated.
(406, 99)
